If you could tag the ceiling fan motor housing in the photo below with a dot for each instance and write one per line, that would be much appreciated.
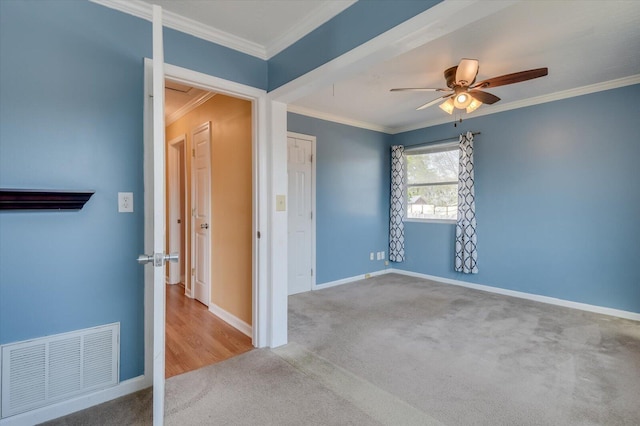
(450, 76)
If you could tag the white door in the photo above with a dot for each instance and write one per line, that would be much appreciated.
(300, 219)
(201, 212)
(159, 206)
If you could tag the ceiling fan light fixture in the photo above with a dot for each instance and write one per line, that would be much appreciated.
(462, 100)
(447, 106)
(474, 105)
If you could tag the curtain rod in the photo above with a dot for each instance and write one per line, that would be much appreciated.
(439, 140)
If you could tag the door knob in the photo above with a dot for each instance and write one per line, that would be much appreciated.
(158, 259)
(143, 259)
(204, 226)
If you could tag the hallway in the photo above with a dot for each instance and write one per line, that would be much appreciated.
(195, 337)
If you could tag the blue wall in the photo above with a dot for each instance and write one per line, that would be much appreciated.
(557, 201)
(356, 25)
(352, 196)
(71, 101)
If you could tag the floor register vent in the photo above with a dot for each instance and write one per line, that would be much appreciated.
(51, 369)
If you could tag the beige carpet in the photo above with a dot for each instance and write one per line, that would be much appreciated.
(398, 350)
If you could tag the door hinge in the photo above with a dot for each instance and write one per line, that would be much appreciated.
(311, 215)
(311, 158)
(193, 211)
(258, 234)
(193, 271)
(193, 152)
(311, 271)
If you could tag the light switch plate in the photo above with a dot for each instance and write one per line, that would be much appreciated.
(125, 202)
(281, 203)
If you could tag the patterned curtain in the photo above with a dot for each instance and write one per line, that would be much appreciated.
(466, 253)
(396, 225)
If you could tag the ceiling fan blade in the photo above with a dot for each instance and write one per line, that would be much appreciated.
(433, 102)
(484, 97)
(516, 77)
(466, 72)
(419, 89)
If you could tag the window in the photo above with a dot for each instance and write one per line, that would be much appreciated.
(432, 182)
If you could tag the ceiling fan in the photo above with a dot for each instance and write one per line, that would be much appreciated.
(464, 93)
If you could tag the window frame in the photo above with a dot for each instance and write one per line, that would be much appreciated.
(426, 149)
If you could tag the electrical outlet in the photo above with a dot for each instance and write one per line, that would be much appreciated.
(125, 202)
(382, 255)
(386, 263)
(371, 256)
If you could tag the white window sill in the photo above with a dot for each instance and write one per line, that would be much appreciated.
(445, 221)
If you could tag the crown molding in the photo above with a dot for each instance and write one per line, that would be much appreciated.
(337, 119)
(313, 20)
(188, 107)
(564, 94)
(177, 22)
(172, 20)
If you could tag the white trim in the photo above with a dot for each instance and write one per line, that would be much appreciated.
(337, 119)
(350, 279)
(176, 147)
(231, 319)
(528, 296)
(67, 407)
(317, 17)
(262, 285)
(277, 237)
(187, 108)
(493, 109)
(419, 220)
(177, 22)
(148, 216)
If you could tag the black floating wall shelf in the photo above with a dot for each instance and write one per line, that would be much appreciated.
(41, 199)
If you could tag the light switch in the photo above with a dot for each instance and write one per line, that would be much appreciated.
(125, 202)
(281, 203)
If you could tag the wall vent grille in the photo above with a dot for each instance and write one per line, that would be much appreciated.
(43, 371)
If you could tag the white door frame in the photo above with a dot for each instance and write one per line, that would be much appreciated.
(312, 139)
(269, 289)
(192, 235)
(176, 149)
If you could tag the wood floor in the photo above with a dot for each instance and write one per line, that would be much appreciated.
(195, 337)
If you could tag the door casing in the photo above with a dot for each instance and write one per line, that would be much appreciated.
(268, 312)
(175, 173)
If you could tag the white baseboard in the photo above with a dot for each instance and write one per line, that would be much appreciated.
(350, 279)
(529, 296)
(231, 319)
(64, 408)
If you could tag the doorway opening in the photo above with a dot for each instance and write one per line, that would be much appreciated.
(209, 222)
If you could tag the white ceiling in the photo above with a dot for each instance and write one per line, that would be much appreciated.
(259, 27)
(583, 43)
